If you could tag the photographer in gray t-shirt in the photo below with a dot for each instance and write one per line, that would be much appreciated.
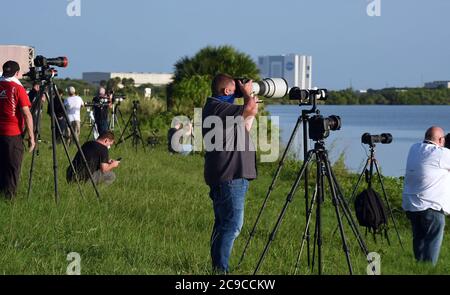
(230, 161)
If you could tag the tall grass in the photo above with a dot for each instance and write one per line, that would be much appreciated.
(157, 218)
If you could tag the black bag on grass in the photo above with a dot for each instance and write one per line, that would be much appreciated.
(370, 211)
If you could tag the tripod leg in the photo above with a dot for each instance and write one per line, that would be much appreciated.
(140, 135)
(352, 198)
(52, 124)
(123, 132)
(72, 132)
(320, 200)
(289, 199)
(269, 192)
(336, 203)
(37, 135)
(70, 162)
(305, 233)
(305, 118)
(347, 213)
(388, 203)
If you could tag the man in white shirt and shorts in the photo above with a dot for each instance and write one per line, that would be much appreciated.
(73, 105)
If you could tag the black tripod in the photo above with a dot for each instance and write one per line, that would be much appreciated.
(135, 134)
(372, 163)
(323, 170)
(50, 91)
(301, 119)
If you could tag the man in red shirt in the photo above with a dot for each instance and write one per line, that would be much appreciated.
(14, 114)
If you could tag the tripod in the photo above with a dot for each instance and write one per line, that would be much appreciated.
(50, 91)
(93, 130)
(323, 171)
(114, 117)
(301, 119)
(135, 134)
(372, 163)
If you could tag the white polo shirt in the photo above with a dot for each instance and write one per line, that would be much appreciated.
(427, 178)
(73, 105)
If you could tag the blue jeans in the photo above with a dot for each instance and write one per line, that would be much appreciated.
(228, 202)
(428, 231)
(186, 149)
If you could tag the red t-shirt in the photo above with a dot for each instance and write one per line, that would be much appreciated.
(13, 97)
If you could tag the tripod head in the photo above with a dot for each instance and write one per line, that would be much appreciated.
(136, 104)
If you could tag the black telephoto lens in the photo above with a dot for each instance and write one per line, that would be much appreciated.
(383, 138)
(447, 141)
(334, 122)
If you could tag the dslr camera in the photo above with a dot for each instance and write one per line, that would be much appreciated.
(320, 127)
(308, 96)
(383, 138)
(46, 72)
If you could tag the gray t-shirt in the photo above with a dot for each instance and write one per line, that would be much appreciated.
(234, 155)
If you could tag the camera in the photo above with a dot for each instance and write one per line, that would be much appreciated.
(117, 99)
(320, 127)
(46, 72)
(269, 87)
(383, 138)
(41, 61)
(447, 141)
(307, 96)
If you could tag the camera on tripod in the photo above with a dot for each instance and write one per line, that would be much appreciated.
(118, 98)
(269, 87)
(308, 96)
(136, 104)
(320, 127)
(383, 138)
(46, 72)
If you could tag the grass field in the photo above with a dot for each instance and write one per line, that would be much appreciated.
(157, 218)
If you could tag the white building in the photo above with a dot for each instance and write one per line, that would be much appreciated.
(157, 79)
(438, 84)
(296, 69)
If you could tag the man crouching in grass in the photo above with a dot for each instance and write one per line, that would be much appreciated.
(228, 164)
(96, 153)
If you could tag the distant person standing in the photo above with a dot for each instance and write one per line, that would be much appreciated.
(59, 113)
(36, 108)
(426, 193)
(102, 105)
(73, 105)
(34, 92)
(14, 114)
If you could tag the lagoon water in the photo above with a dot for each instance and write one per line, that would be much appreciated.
(407, 124)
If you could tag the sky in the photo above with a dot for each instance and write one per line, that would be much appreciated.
(406, 45)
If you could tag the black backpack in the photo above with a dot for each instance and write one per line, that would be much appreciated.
(370, 211)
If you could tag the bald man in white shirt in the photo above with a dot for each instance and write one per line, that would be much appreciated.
(426, 193)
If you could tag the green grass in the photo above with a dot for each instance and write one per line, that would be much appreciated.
(157, 219)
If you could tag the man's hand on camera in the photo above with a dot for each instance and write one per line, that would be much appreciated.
(246, 88)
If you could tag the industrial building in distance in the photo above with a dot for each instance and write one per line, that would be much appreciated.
(296, 69)
(438, 84)
(157, 79)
